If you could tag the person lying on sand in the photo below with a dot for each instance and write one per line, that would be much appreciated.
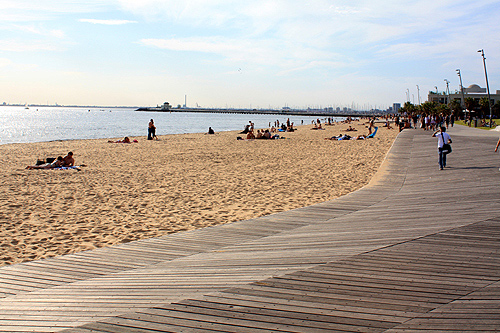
(68, 160)
(340, 137)
(59, 162)
(350, 129)
(125, 140)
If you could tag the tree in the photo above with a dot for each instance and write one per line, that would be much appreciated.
(428, 108)
(408, 108)
(496, 110)
(470, 104)
(443, 108)
(456, 108)
(484, 107)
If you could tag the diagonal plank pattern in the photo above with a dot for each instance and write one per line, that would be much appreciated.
(416, 250)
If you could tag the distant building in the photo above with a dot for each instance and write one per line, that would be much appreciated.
(474, 91)
(396, 107)
(166, 106)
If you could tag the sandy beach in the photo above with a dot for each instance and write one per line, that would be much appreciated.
(140, 190)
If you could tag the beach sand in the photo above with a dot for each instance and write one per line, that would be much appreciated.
(134, 191)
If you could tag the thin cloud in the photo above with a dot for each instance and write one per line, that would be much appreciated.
(4, 62)
(14, 46)
(43, 10)
(32, 29)
(107, 22)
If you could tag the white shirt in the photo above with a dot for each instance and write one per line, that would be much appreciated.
(440, 139)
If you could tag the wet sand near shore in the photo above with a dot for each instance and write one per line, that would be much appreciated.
(147, 189)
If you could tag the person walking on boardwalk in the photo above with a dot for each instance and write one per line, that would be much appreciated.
(444, 147)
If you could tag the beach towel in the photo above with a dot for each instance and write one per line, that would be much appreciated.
(373, 134)
(75, 167)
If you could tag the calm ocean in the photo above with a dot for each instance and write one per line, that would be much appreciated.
(37, 124)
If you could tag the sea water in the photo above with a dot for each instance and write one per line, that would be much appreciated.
(38, 124)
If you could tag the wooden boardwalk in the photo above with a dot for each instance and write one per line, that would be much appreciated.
(418, 250)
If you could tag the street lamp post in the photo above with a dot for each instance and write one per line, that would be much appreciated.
(461, 86)
(447, 91)
(418, 94)
(487, 84)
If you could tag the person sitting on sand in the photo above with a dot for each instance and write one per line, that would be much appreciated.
(59, 162)
(351, 129)
(266, 135)
(259, 135)
(210, 131)
(317, 126)
(250, 135)
(68, 160)
(246, 130)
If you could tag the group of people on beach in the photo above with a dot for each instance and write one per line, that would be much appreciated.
(370, 125)
(269, 134)
(54, 163)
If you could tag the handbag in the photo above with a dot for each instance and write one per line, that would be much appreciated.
(446, 146)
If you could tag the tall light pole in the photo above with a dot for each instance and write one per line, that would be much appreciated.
(461, 86)
(447, 91)
(487, 84)
(418, 94)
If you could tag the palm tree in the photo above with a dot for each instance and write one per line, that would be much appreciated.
(496, 109)
(444, 109)
(470, 104)
(456, 108)
(408, 108)
(428, 108)
(485, 106)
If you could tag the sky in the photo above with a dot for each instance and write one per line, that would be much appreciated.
(244, 54)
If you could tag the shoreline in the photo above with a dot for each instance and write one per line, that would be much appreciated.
(181, 182)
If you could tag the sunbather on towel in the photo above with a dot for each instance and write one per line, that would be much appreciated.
(68, 160)
(59, 162)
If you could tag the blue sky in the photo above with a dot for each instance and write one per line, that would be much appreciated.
(243, 53)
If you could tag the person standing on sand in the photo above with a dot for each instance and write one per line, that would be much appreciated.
(443, 138)
(152, 130)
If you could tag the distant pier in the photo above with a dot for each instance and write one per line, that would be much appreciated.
(290, 112)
